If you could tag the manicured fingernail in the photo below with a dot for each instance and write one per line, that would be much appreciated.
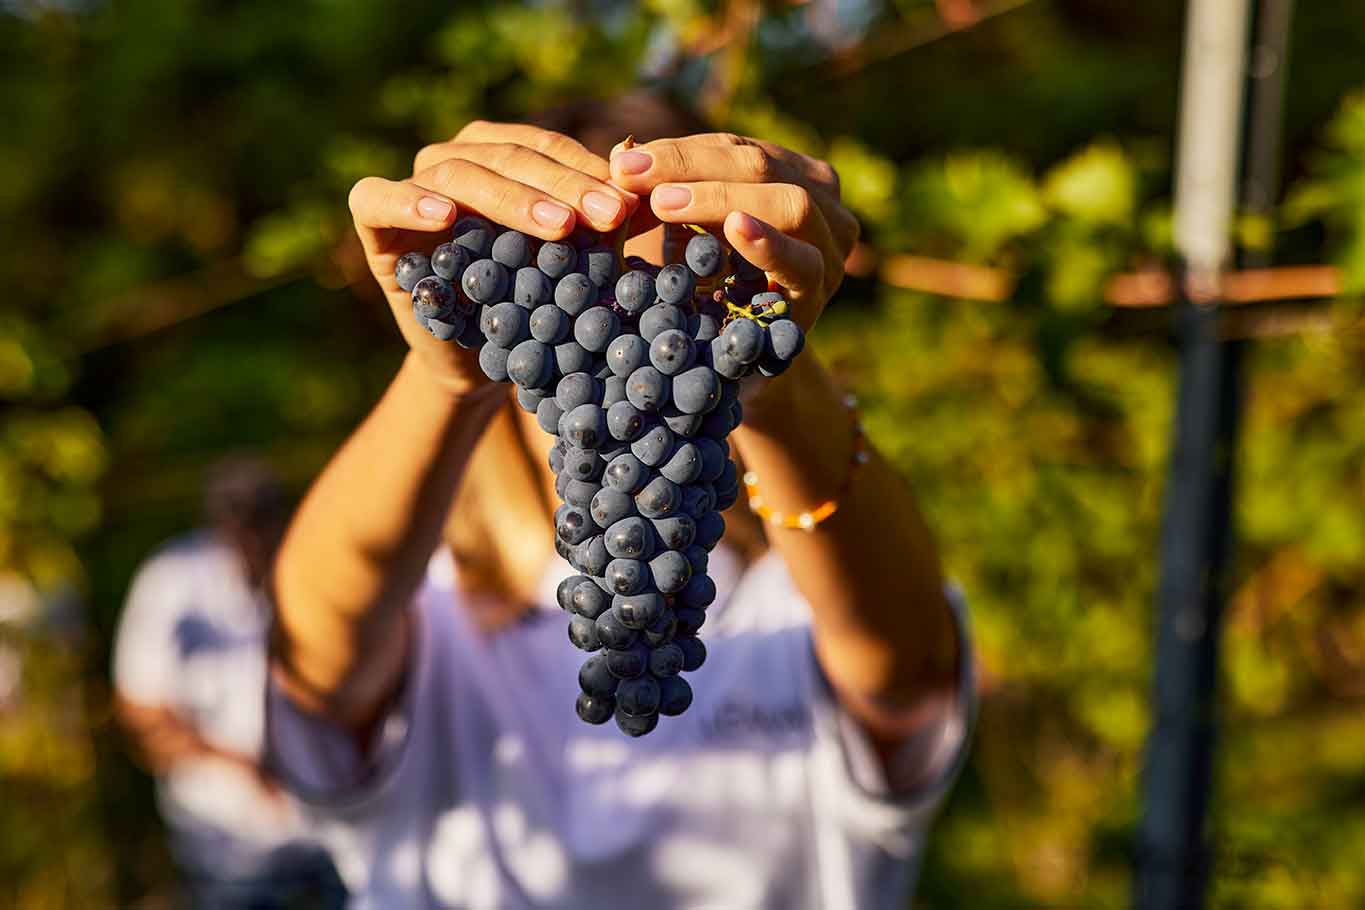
(672, 197)
(602, 207)
(550, 214)
(633, 162)
(748, 227)
(434, 209)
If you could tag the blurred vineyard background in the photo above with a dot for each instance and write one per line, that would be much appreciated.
(179, 282)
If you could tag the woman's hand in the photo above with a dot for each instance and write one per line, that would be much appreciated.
(780, 209)
(529, 179)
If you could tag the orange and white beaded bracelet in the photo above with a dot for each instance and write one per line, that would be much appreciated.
(807, 521)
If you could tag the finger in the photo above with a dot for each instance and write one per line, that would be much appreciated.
(787, 207)
(601, 205)
(380, 205)
(794, 264)
(508, 202)
(565, 150)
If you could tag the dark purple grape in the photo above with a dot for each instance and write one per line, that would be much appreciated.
(675, 284)
(587, 599)
(433, 297)
(531, 364)
(648, 389)
(694, 652)
(677, 532)
(627, 576)
(548, 414)
(675, 694)
(450, 260)
(595, 679)
(635, 726)
(690, 619)
(661, 631)
(626, 473)
(629, 662)
(583, 634)
(703, 255)
(585, 426)
(575, 525)
(639, 696)
(574, 293)
(684, 465)
(670, 571)
(493, 362)
(742, 340)
(660, 318)
(506, 324)
(531, 289)
(595, 328)
(638, 611)
(484, 281)
(564, 593)
(411, 268)
(630, 538)
(660, 498)
(613, 633)
(512, 249)
(556, 259)
(474, 234)
(610, 506)
(654, 446)
(635, 291)
(785, 339)
(697, 391)
(595, 710)
(699, 592)
(665, 661)
(626, 354)
(625, 422)
(710, 529)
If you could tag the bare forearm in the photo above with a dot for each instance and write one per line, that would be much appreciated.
(357, 550)
(871, 571)
(161, 740)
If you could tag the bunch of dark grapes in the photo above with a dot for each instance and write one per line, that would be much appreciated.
(636, 375)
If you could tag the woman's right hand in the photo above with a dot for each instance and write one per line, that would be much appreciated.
(532, 180)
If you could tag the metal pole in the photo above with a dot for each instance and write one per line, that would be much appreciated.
(1173, 859)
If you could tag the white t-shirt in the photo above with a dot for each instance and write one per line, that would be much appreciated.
(192, 639)
(487, 792)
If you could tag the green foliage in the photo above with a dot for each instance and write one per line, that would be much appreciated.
(185, 164)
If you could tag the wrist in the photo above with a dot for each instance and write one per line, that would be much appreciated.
(457, 389)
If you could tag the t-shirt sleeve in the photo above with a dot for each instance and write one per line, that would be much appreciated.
(879, 798)
(146, 660)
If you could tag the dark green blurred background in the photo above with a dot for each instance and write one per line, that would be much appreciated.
(179, 283)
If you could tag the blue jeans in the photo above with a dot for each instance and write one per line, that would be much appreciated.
(294, 877)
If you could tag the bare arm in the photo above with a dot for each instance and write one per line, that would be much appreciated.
(161, 739)
(356, 551)
(883, 630)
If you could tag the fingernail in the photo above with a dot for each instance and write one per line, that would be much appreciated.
(633, 162)
(602, 207)
(672, 197)
(550, 214)
(434, 209)
(748, 227)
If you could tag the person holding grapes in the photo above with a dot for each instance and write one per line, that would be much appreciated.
(422, 687)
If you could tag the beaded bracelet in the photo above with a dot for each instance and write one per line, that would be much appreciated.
(806, 521)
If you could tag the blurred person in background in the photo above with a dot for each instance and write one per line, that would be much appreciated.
(189, 664)
(421, 699)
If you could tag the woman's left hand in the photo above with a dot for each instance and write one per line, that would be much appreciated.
(780, 209)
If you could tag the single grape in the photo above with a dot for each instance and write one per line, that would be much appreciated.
(564, 593)
(624, 422)
(531, 364)
(595, 710)
(548, 414)
(697, 500)
(587, 599)
(574, 293)
(712, 459)
(484, 281)
(507, 324)
(493, 362)
(582, 464)
(660, 498)
(595, 679)
(648, 389)
(638, 611)
(684, 465)
(710, 529)
(556, 259)
(660, 318)
(700, 591)
(725, 365)
(690, 619)
(720, 422)
(433, 297)
(549, 324)
(601, 265)
(671, 352)
(583, 634)
(770, 365)
(410, 269)
(531, 289)
(742, 340)
(475, 235)
(512, 249)
(571, 357)
(675, 693)
(785, 339)
(675, 283)
(614, 390)
(449, 261)
(577, 389)
(635, 726)
(728, 479)
(626, 474)
(638, 696)
(698, 558)
(630, 538)
(635, 291)
(613, 633)
(576, 526)
(585, 426)
(670, 570)
(677, 532)
(628, 663)
(626, 354)
(703, 255)
(530, 399)
(609, 506)
(556, 458)
(665, 661)
(579, 492)
(696, 391)
(627, 576)
(726, 500)
(704, 327)
(445, 329)
(654, 446)
(694, 652)
(595, 328)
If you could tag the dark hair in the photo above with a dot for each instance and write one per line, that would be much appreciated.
(243, 494)
(600, 123)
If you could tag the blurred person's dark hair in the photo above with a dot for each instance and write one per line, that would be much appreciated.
(245, 503)
(600, 123)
